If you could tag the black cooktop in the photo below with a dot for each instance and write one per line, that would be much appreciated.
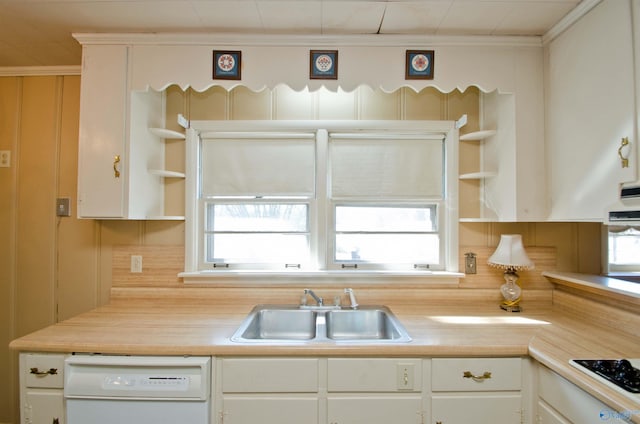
(618, 371)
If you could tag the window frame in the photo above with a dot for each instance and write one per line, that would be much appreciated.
(322, 208)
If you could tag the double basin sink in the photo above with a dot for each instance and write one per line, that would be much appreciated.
(292, 324)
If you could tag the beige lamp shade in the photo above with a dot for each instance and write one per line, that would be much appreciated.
(510, 254)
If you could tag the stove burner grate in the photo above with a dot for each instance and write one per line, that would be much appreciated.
(618, 371)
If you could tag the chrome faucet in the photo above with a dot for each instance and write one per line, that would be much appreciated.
(352, 298)
(318, 300)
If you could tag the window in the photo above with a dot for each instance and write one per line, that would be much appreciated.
(623, 249)
(311, 198)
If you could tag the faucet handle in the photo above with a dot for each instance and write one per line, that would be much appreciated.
(352, 298)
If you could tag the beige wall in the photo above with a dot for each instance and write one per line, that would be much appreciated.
(53, 268)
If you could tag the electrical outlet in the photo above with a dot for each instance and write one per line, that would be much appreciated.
(5, 158)
(136, 263)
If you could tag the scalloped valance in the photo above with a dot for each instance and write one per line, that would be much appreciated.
(378, 61)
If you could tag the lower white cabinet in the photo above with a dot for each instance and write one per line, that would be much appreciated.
(267, 390)
(319, 390)
(562, 402)
(487, 390)
(374, 391)
(41, 388)
(370, 390)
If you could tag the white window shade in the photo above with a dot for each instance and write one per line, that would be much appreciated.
(386, 166)
(258, 165)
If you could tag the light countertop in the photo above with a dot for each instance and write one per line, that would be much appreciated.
(176, 325)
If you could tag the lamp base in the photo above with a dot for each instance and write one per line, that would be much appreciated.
(511, 308)
(511, 292)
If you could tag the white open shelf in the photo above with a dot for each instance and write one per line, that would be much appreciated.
(478, 135)
(166, 218)
(166, 174)
(478, 175)
(167, 134)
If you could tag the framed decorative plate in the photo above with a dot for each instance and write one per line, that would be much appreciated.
(419, 64)
(323, 64)
(227, 64)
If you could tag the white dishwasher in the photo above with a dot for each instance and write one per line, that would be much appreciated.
(100, 389)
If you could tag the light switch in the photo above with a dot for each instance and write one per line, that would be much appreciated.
(63, 206)
(470, 263)
(405, 376)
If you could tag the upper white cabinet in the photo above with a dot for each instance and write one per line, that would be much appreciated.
(102, 178)
(511, 173)
(121, 153)
(122, 171)
(589, 110)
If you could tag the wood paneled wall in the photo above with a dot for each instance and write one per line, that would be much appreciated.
(48, 266)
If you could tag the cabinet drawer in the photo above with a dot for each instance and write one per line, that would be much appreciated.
(270, 375)
(43, 370)
(374, 375)
(476, 374)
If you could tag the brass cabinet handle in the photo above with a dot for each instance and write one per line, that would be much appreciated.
(624, 157)
(116, 161)
(469, 374)
(51, 371)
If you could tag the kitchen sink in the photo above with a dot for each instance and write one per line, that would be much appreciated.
(363, 324)
(291, 324)
(280, 323)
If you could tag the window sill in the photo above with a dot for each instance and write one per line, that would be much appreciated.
(369, 277)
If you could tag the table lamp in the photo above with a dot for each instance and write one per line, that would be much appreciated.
(510, 256)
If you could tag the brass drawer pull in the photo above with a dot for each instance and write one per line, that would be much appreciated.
(51, 371)
(485, 376)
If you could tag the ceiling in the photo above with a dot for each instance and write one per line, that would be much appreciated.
(38, 32)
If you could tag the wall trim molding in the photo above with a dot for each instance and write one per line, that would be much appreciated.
(569, 19)
(231, 40)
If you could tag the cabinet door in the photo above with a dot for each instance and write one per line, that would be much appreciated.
(472, 408)
(102, 158)
(574, 403)
(374, 410)
(590, 108)
(548, 415)
(269, 410)
(44, 407)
